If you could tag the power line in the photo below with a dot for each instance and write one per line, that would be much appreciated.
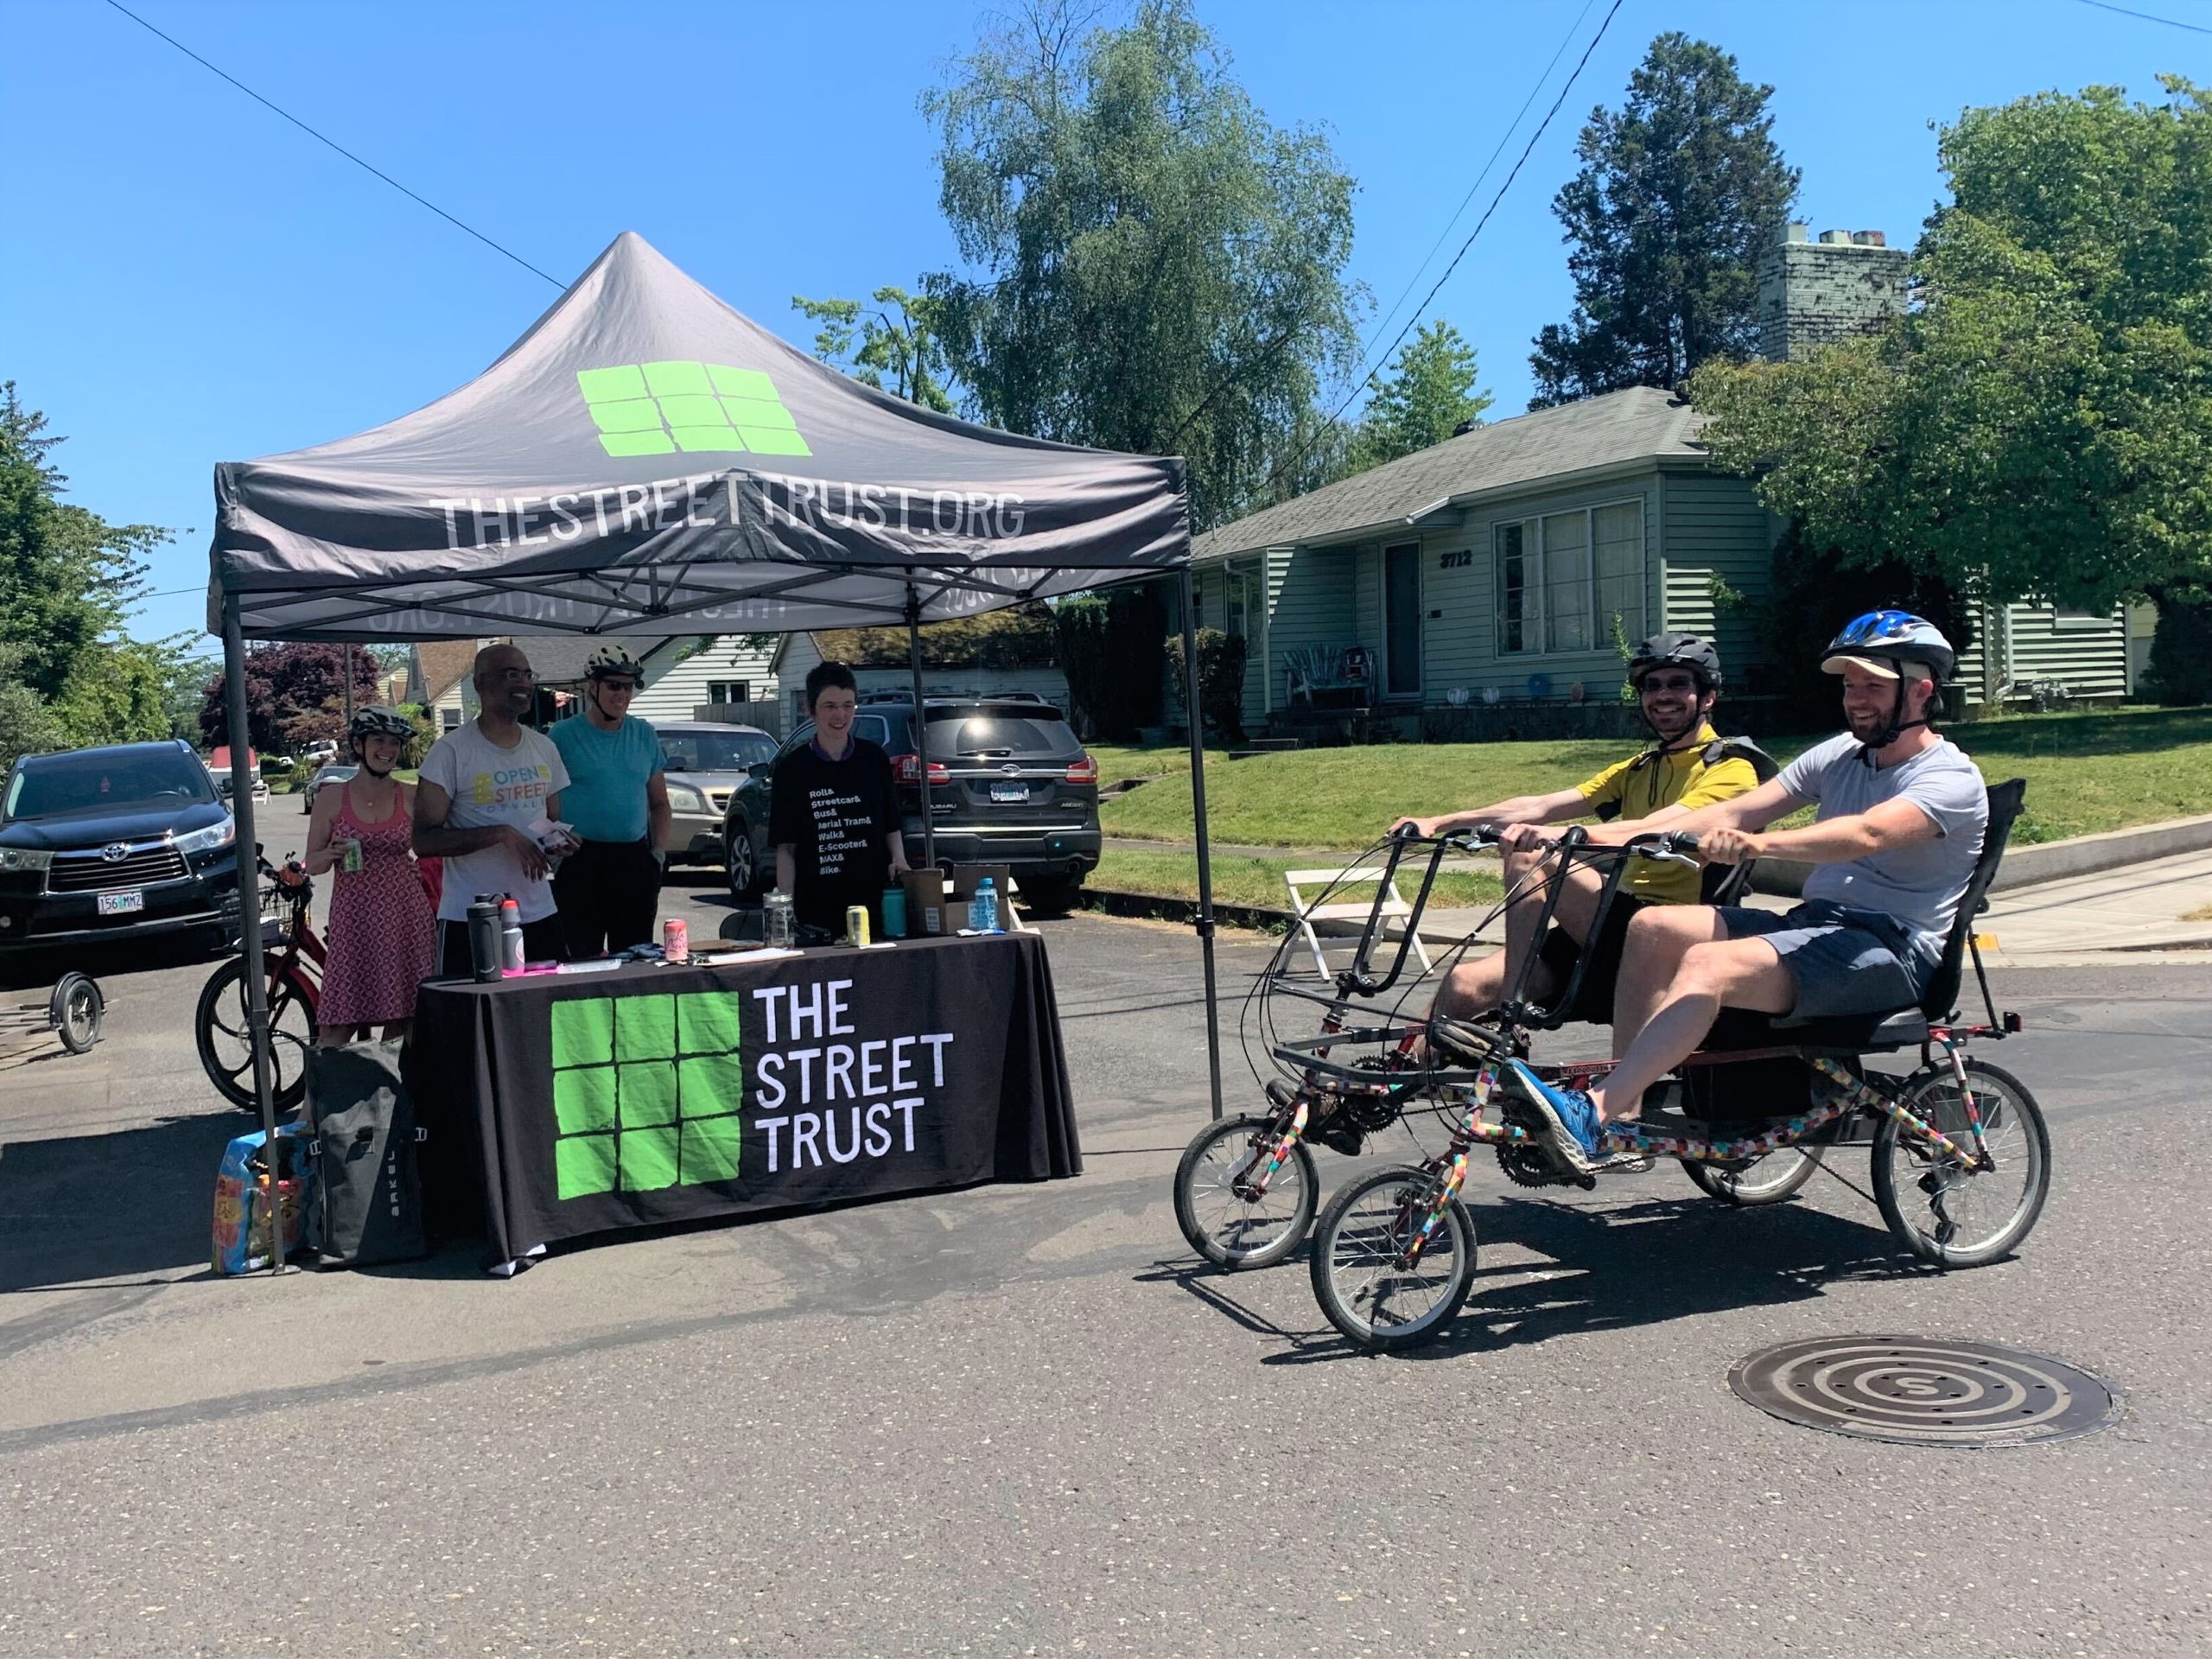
(1504, 138)
(334, 144)
(2149, 17)
(1291, 464)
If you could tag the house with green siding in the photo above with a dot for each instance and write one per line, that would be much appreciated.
(1502, 564)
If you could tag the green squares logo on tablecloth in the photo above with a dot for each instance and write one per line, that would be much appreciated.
(646, 1092)
(660, 408)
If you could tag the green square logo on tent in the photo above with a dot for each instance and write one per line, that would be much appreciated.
(658, 409)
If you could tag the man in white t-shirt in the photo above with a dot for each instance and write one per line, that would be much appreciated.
(480, 789)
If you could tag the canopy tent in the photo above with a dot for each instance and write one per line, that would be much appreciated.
(646, 460)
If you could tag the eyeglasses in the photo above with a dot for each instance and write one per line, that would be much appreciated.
(1667, 682)
(624, 686)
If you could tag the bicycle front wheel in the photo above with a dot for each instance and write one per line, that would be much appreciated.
(227, 1051)
(1361, 1277)
(1232, 1231)
(1942, 1212)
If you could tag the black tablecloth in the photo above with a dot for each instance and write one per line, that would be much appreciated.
(559, 1105)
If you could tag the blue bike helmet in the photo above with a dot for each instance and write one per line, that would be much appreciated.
(1896, 646)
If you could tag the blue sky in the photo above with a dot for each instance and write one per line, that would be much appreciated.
(185, 278)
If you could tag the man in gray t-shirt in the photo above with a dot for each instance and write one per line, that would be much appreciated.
(1900, 825)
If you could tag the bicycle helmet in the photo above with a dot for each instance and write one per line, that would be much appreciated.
(614, 658)
(1680, 649)
(1674, 650)
(1894, 646)
(375, 721)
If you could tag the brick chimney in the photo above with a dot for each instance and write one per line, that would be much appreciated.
(1812, 294)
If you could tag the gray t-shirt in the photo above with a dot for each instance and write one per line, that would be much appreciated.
(1919, 884)
(488, 784)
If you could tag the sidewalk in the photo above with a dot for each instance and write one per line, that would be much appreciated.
(2114, 916)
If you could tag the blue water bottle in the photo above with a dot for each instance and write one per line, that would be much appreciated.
(983, 911)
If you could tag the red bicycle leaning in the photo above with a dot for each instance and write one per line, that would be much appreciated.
(293, 957)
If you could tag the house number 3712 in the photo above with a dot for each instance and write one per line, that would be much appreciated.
(1454, 561)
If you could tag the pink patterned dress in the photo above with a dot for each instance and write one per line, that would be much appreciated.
(383, 939)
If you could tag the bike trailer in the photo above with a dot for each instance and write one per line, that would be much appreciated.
(365, 1152)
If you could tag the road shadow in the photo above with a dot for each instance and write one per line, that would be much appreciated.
(104, 1206)
(1615, 1268)
(34, 971)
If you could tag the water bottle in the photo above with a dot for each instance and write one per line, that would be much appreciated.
(983, 910)
(484, 946)
(779, 926)
(895, 912)
(511, 957)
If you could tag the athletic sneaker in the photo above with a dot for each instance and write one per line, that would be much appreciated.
(1570, 1121)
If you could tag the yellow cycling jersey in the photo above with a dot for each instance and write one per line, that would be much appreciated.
(1643, 783)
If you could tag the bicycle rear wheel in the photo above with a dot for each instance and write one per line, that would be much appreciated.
(1939, 1210)
(1360, 1277)
(1756, 1181)
(220, 1031)
(1232, 1231)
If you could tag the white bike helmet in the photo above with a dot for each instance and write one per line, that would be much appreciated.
(614, 658)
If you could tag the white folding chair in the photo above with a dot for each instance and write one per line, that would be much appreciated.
(1361, 880)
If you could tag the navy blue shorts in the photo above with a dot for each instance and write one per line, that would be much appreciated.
(1844, 961)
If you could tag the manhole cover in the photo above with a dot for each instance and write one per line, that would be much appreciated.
(1916, 1391)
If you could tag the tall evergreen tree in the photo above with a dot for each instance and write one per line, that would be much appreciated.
(1678, 191)
(1429, 394)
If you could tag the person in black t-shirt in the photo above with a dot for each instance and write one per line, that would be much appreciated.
(832, 813)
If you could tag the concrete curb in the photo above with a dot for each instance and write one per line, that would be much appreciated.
(2054, 861)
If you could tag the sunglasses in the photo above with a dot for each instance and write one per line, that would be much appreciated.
(1667, 682)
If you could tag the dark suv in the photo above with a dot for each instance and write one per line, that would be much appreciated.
(1009, 783)
(113, 843)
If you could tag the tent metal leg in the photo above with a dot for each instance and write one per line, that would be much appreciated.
(249, 895)
(921, 726)
(1205, 920)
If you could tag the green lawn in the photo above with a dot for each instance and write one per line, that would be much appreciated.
(1246, 880)
(2086, 773)
(1116, 762)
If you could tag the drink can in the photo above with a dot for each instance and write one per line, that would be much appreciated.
(675, 940)
(857, 923)
(351, 861)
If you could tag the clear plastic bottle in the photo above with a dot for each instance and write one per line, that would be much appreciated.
(778, 926)
(983, 910)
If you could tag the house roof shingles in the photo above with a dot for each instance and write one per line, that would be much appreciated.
(1642, 423)
(446, 664)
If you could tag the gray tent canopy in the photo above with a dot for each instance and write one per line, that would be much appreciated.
(644, 461)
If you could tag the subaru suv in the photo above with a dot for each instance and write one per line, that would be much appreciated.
(1009, 783)
(114, 843)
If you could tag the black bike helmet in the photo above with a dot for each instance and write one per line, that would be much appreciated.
(1682, 650)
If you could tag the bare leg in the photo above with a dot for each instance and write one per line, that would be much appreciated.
(1657, 941)
(1733, 973)
(333, 1036)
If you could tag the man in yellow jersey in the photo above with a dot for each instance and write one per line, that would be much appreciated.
(1677, 680)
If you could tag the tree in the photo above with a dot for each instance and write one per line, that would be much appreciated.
(294, 693)
(1112, 646)
(899, 339)
(1677, 193)
(2040, 427)
(1429, 396)
(1153, 266)
(67, 577)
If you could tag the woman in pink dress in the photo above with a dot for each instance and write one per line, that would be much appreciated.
(382, 939)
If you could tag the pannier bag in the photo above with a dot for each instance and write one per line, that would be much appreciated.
(241, 1236)
(371, 1193)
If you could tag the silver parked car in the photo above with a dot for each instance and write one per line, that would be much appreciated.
(336, 772)
(705, 762)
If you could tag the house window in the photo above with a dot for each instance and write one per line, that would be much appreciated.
(1562, 579)
(1237, 617)
(449, 719)
(1566, 582)
(729, 691)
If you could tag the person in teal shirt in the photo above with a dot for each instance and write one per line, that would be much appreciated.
(609, 890)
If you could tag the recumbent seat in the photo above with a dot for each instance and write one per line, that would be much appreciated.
(1779, 1087)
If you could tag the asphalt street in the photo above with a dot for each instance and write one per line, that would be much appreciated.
(1025, 1419)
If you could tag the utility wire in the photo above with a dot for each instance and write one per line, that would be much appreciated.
(1504, 138)
(2149, 17)
(334, 144)
(1335, 419)
(1275, 346)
